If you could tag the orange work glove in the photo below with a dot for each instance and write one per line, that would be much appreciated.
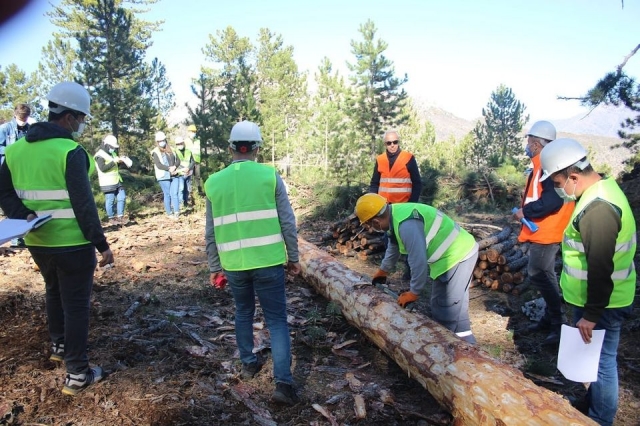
(380, 277)
(407, 297)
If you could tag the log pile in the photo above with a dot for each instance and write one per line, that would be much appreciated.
(349, 238)
(502, 262)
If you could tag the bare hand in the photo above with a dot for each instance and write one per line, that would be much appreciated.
(519, 214)
(107, 258)
(294, 268)
(213, 276)
(586, 329)
(172, 169)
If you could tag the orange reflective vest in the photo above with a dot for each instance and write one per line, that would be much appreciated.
(395, 184)
(551, 227)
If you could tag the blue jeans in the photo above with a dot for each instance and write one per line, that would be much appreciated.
(68, 278)
(603, 393)
(542, 259)
(185, 189)
(170, 189)
(115, 197)
(268, 284)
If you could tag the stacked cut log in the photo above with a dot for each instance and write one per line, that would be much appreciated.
(349, 238)
(502, 262)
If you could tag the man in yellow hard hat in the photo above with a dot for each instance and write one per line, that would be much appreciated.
(436, 247)
(193, 144)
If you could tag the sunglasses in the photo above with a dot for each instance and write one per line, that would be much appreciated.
(389, 143)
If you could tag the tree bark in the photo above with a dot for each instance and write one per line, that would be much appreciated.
(465, 380)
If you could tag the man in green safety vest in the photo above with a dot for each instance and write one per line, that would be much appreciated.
(436, 247)
(598, 276)
(47, 172)
(185, 170)
(250, 234)
(107, 164)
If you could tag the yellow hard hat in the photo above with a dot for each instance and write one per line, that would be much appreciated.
(369, 206)
(192, 128)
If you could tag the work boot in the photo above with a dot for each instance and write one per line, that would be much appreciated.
(57, 352)
(542, 325)
(250, 370)
(553, 338)
(77, 382)
(285, 394)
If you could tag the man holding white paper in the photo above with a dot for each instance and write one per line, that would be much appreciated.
(47, 172)
(598, 277)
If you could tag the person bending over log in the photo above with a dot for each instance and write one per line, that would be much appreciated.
(436, 246)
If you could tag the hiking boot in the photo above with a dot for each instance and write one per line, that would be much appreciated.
(77, 382)
(57, 352)
(542, 325)
(552, 338)
(285, 394)
(249, 371)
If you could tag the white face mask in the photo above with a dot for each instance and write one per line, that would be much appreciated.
(20, 122)
(162, 144)
(563, 194)
(77, 133)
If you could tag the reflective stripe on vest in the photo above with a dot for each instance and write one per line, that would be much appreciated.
(38, 172)
(447, 243)
(574, 279)
(111, 177)
(245, 217)
(551, 227)
(163, 157)
(395, 182)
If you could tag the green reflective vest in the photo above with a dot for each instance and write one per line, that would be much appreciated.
(245, 217)
(574, 274)
(185, 159)
(447, 243)
(38, 175)
(194, 146)
(110, 178)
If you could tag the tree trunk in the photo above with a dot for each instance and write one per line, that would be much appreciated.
(474, 387)
(495, 239)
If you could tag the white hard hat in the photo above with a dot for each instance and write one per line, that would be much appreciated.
(543, 129)
(245, 131)
(179, 140)
(560, 154)
(160, 136)
(69, 96)
(112, 141)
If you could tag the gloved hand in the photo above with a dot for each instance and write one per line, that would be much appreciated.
(407, 297)
(380, 277)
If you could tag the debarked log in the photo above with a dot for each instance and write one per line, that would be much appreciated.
(475, 388)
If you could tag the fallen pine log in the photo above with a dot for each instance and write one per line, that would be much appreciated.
(475, 388)
(495, 239)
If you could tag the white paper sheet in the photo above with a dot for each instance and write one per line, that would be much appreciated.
(578, 361)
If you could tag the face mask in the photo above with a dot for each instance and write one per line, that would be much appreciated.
(20, 122)
(162, 144)
(112, 150)
(77, 133)
(528, 152)
(191, 134)
(563, 194)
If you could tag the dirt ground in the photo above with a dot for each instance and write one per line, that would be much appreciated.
(166, 340)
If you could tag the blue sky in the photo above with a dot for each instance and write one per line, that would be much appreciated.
(455, 52)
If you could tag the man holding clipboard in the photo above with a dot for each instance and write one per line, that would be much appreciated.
(47, 172)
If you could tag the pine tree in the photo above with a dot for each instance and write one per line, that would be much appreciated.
(379, 98)
(18, 87)
(497, 137)
(282, 95)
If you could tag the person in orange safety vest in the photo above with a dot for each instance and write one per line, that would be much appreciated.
(542, 205)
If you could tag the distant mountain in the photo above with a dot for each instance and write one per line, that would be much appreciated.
(602, 121)
(597, 132)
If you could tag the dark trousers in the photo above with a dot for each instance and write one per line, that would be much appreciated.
(68, 281)
(542, 259)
